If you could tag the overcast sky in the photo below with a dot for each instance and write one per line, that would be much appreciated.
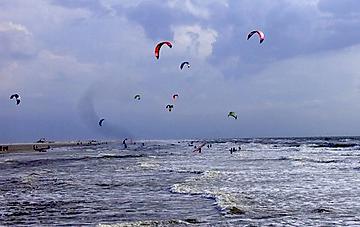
(76, 61)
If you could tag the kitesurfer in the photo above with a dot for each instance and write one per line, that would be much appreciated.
(124, 143)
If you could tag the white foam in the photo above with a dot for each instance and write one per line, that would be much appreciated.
(149, 164)
(147, 223)
(225, 197)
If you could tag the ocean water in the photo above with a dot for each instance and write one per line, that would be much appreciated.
(269, 182)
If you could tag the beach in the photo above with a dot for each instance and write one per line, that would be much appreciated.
(44, 146)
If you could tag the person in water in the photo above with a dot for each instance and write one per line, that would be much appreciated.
(233, 149)
(124, 143)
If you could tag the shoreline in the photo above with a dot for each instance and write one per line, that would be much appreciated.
(44, 146)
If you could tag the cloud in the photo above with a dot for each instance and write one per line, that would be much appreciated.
(16, 41)
(343, 8)
(11, 27)
(62, 69)
(302, 80)
(195, 40)
(190, 7)
(199, 9)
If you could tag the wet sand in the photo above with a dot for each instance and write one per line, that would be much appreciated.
(43, 147)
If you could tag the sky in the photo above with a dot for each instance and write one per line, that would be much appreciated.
(74, 62)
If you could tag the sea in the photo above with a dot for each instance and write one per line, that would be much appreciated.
(263, 182)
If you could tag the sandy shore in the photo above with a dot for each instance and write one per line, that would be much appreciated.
(43, 147)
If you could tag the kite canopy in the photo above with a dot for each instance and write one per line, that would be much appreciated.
(158, 47)
(101, 121)
(260, 34)
(175, 96)
(137, 97)
(16, 97)
(184, 63)
(232, 114)
(169, 107)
